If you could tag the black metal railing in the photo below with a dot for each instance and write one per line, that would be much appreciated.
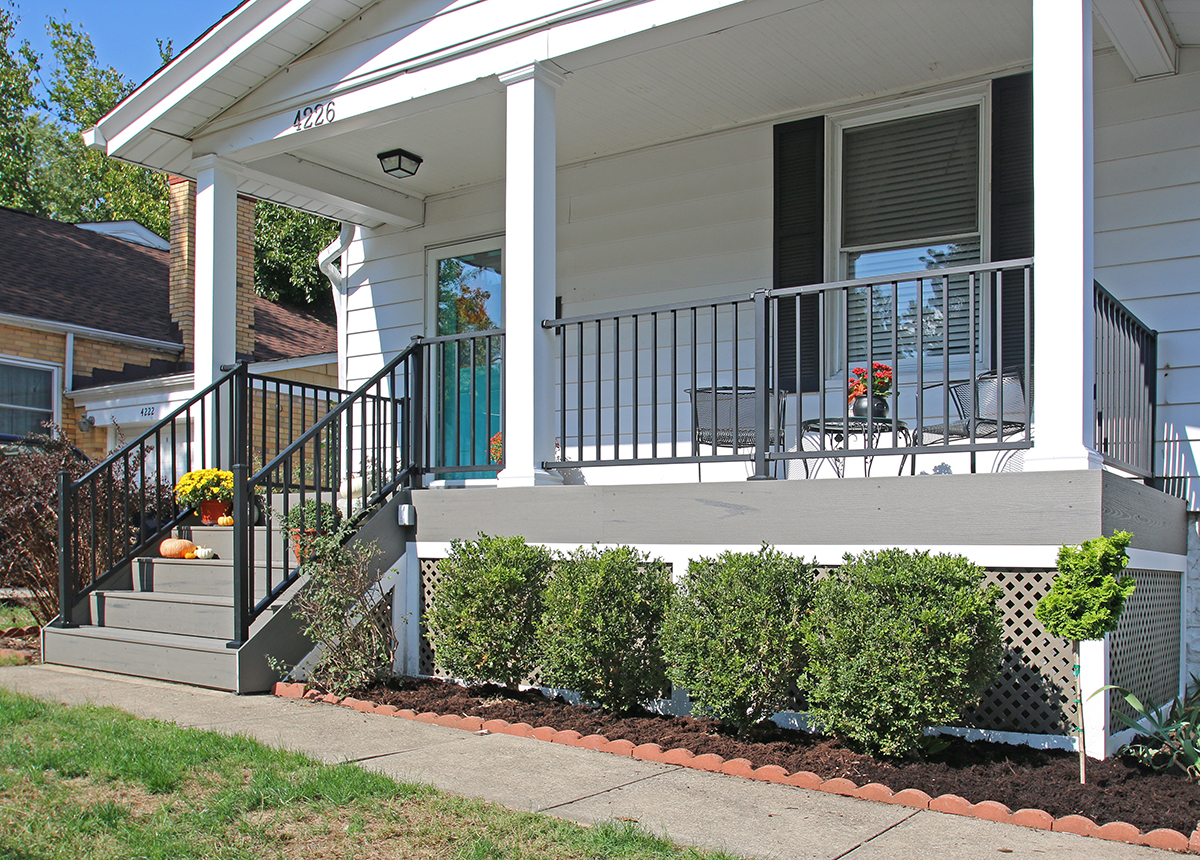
(767, 378)
(124, 505)
(421, 413)
(1126, 387)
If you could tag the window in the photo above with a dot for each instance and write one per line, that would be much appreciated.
(944, 181)
(27, 393)
(909, 195)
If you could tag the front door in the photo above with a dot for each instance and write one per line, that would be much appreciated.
(469, 300)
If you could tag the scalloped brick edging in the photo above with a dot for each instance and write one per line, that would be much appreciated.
(19, 632)
(987, 810)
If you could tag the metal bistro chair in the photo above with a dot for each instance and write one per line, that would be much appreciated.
(727, 420)
(982, 397)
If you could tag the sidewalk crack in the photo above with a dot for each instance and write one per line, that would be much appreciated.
(611, 788)
(854, 848)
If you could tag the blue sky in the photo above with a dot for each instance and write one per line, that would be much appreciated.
(123, 31)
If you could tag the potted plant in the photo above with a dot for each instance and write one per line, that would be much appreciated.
(210, 490)
(307, 522)
(869, 391)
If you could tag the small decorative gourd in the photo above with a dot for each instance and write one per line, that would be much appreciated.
(204, 552)
(225, 521)
(175, 548)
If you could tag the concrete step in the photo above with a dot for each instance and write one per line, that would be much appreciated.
(213, 577)
(195, 660)
(220, 538)
(209, 616)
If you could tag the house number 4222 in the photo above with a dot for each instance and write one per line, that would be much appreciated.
(313, 115)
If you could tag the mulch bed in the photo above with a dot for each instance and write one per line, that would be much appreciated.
(1017, 776)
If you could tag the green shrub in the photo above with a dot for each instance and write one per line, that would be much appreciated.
(484, 614)
(601, 631)
(346, 612)
(1087, 597)
(733, 636)
(898, 641)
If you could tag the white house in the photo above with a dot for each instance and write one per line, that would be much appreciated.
(644, 244)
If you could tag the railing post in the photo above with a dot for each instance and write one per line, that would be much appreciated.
(66, 593)
(241, 566)
(762, 379)
(239, 436)
(416, 419)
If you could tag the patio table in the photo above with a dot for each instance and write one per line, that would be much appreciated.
(839, 432)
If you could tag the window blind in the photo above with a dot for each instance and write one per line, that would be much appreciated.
(911, 178)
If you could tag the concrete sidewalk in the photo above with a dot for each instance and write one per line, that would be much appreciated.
(743, 817)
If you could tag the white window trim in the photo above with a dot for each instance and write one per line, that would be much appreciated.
(974, 95)
(55, 380)
(433, 253)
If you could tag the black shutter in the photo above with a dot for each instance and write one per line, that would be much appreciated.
(799, 245)
(1012, 202)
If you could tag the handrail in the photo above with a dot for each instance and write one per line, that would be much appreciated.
(165, 422)
(1126, 391)
(329, 416)
(779, 292)
(110, 540)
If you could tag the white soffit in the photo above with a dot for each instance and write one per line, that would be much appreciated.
(1142, 35)
(1184, 17)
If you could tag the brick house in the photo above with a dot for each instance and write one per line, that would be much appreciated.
(96, 324)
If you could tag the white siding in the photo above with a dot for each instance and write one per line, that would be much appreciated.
(1148, 229)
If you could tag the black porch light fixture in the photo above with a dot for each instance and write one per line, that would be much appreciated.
(399, 162)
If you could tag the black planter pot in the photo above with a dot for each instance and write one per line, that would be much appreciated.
(878, 406)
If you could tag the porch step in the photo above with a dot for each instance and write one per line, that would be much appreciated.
(212, 577)
(209, 616)
(204, 662)
(220, 538)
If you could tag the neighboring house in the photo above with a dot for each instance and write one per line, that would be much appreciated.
(95, 326)
(615, 210)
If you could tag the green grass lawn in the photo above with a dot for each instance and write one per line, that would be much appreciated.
(87, 782)
(15, 615)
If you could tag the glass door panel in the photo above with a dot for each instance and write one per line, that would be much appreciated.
(470, 298)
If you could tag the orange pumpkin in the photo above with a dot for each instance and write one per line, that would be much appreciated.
(175, 547)
(225, 521)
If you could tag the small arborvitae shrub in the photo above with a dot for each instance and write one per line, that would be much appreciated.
(485, 611)
(898, 641)
(733, 636)
(1089, 593)
(600, 634)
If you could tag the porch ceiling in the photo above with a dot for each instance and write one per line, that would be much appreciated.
(775, 62)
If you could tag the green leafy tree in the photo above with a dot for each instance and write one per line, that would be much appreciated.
(19, 66)
(286, 245)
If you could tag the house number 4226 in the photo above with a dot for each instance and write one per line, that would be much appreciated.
(313, 115)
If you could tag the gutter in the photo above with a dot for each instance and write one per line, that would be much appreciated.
(337, 282)
(91, 333)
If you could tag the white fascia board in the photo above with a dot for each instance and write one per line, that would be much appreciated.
(1141, 35)
(90, 333)
(372, 201)
(465, 71)
(282, 364)
(233, 37)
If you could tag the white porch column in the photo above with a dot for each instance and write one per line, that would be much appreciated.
(529, 275)
(1064, 327)
(215, 329)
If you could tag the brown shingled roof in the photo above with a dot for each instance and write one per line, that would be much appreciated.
(57, 272)
(60, 273)
(281, 331)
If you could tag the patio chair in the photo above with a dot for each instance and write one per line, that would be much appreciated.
(727, 420)
(981, 397)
